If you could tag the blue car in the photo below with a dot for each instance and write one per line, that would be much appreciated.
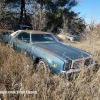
(47, 51)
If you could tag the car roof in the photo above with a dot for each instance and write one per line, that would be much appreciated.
(36, 32)
(25, 26)
(4, 30)
(29, 31)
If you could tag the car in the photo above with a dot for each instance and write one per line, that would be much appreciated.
(58, 38)
(22, 27)
(47, 51)
(73, 38)
(4, 32)
(69, 37)
(25, 27)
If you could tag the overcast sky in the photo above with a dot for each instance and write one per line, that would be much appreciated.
(89, 10)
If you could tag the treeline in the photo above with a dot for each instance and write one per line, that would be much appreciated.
(46, 15)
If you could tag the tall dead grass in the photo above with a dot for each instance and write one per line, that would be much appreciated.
(18, 73)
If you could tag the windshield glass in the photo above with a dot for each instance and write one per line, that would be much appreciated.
(43, 38)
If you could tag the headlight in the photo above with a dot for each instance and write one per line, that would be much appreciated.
(67, 65)
(88, 61)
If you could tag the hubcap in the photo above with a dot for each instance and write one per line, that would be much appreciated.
(42, 66)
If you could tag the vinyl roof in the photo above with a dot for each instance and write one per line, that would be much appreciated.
(33, 31)
(30, 32)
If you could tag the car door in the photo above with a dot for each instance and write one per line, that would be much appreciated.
(22, 43)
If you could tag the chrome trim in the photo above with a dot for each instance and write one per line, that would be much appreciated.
(84, 58)
(76, 70)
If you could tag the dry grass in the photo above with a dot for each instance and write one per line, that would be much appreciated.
(17, 73)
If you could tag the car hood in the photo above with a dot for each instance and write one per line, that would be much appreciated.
(64, 51)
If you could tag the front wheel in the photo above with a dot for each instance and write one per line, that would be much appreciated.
(7, 44)
(44, 66)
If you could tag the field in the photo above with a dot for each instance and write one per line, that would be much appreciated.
(18, 74)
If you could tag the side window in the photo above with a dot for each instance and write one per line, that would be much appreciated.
(24, 37)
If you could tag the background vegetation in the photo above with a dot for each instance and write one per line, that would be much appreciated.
(45, 15)
(17, 73)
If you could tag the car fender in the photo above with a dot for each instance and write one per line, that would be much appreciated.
(55, 62)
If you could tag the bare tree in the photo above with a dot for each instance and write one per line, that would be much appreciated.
(38, 19)
(4, 16)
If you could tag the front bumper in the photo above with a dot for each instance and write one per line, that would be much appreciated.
(75, 70)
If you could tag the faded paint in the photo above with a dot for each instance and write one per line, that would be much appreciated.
(55, 53)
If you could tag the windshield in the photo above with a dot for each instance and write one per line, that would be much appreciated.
(43, 38)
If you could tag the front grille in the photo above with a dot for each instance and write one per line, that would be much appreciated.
(80, 63)
(77, 64)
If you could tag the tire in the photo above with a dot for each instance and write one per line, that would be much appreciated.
(7, 45)
(45, 66)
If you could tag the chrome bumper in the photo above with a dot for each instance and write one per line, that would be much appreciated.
(75, 70)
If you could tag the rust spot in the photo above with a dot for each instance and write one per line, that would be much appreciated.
(49, 51)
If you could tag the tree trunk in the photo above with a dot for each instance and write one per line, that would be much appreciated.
(40, 14)
(22, 9)
(40, 19)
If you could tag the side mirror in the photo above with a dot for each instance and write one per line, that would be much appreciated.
(25, 41)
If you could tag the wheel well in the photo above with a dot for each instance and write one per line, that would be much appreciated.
(6, 42)
(37, 60)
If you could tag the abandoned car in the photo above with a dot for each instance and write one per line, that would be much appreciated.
(73, 38)
(46, 50)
